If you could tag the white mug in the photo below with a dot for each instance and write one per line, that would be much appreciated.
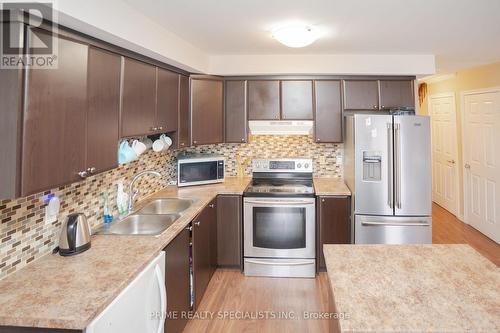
(159, 145)
(166, 139)
(139, 147)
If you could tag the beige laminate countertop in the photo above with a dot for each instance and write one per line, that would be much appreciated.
(69, 292)
(413, 288)
(330, 186)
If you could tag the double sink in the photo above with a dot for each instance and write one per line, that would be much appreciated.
(152, 219)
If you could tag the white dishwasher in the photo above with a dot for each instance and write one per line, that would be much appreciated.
(141, 307)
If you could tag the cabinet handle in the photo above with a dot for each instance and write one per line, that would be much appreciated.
(83, 174)
(318, 139)
(375, 107)
(154, 129)
(383, 107)
(190, 228)
(211, 205)
(195, 142)
(182, 144)
(160, 128)
(197, 223)
(243, 140)
(322, 200)
(91, 170)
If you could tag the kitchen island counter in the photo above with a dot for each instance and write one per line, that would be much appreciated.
(412, 288)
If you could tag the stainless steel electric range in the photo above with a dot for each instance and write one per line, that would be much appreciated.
(279, 219)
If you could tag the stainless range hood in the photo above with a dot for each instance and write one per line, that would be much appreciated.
(280, 127)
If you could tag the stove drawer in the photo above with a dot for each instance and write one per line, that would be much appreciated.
(301, 268)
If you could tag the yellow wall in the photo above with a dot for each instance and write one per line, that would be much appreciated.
(482, 77)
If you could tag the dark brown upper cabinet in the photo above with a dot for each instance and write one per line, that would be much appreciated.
(236, 112)
(183, 133)
(361, 95)
(296, 100)
(177, 281)
(54, 136)
(263, 100)
(138, 99)
(229, 231)
(328, 111)
(104, 70)
(207, 111)
(204, 250)
(167, 101)
(334, 224)
(396, 94)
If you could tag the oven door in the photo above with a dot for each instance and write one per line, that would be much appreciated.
(279, 227)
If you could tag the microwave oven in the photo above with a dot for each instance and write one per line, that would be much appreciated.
(199, 170)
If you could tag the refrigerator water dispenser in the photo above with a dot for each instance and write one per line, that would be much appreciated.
(372, 166)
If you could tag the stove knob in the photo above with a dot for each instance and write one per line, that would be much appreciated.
(306, 165)
(299, 165)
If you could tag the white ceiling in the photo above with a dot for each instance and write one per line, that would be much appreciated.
(460, 33)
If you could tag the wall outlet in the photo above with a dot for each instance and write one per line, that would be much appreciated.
(338, 160)
(52, 210)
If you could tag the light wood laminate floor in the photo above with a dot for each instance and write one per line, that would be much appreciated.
(231, 293)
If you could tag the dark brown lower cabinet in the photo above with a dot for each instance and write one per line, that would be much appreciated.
(177, 282)
(334, 224)
(229, 231)
(204, 250)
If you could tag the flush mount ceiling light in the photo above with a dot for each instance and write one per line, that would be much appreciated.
(295, 35)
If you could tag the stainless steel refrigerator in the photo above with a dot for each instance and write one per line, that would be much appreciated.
(388, 169)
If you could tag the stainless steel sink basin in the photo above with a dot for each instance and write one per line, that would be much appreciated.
(166, 206)
(139, 225)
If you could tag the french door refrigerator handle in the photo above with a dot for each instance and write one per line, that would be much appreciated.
(390, 199)
(399, 224)
(397, 164)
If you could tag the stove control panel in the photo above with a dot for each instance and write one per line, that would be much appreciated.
(283, 165)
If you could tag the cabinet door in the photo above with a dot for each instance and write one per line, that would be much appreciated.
(236, 111)
(167, 101)
(229, 217)
(177, 282)
(207, 111)
(104, 109)
(204, 250)
(183, 134)
(334, 224)
(396, 94)
(54, 136)
(297, 100)
(263, 100)
(361, 95)
(328, 113)
(138, 99)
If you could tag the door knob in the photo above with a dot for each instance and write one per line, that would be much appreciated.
(467, 166)
(83, 174)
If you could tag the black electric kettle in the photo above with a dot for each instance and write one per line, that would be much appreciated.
(75, 235)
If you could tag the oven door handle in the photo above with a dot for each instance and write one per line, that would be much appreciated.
(297, 202)
(294, 263)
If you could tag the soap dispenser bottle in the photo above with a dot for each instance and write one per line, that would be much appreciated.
(121, 200)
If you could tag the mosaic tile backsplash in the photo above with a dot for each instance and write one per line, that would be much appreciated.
(24, 237)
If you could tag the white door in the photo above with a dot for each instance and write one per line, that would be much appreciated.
(444, 151)
(481, 147)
